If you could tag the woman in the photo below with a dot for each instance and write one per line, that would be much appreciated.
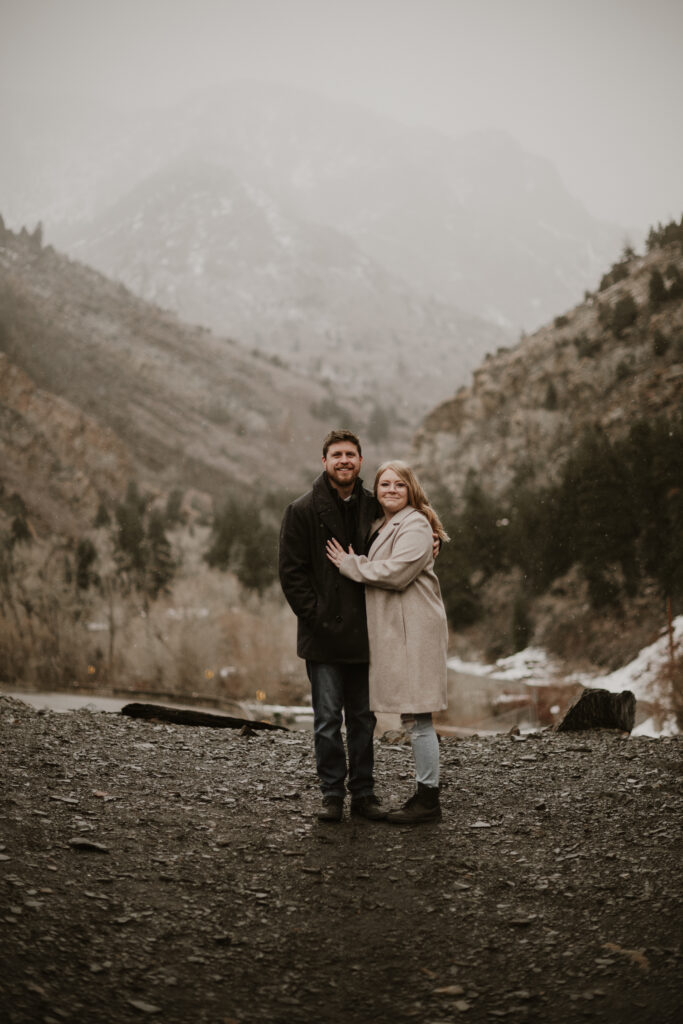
(406, 624)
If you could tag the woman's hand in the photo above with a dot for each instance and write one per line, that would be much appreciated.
(336, 553)
(436, 545)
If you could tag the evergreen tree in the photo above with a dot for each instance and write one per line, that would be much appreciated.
(102, 518)
(656, 289)
(160, 566)
(654, 454)
(606, 526)
(86, 555)
(256, 558)
(479, 524)
(130, 534)
(521, 622)
(455, 568)
(174, 504)
(550, 402)
(624, 314)
(232, 524)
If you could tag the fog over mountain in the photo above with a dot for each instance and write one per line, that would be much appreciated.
(379, 194)
(476, 223)
(591, 86)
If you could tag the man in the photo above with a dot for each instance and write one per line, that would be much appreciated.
(332, 632)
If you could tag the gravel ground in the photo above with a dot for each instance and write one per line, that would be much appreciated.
(180, 874)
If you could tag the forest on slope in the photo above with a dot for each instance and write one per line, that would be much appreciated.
(560, 474)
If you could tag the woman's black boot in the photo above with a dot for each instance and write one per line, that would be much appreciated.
(423, 805)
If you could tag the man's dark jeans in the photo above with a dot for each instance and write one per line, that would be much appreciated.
(338, 689)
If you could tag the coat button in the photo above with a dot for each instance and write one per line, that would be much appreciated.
(338, 618)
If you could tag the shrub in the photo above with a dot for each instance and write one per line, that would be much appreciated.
(102, 518)
(329, 409)
(618, 272)
(660, 236)
(660, 343)
(551, 399)
(624, 370)
(656, 289)
(624, 314)
(242, 542)
(586, 347)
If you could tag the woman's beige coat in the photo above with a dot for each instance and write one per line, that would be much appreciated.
(406, 617)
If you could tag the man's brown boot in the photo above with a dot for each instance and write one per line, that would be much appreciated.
(332, 808)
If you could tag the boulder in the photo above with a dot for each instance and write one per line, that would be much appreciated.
(601, 709)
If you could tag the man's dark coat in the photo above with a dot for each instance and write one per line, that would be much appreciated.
(329, 607)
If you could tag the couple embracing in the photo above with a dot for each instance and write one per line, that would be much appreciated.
(357, 568)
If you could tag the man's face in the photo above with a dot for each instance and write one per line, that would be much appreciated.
(342, 464)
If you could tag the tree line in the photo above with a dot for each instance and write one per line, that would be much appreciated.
(616, 511)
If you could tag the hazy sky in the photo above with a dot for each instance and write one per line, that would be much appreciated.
(594, 85)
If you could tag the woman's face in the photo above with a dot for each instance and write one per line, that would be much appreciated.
(392, 492)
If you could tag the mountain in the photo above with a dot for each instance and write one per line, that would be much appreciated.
(98, 386)
(559, 473)
(195, 239)
(475, 223)
(528, 404)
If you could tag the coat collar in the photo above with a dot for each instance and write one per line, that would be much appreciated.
(327, 503)
(400, 516)
(392, 525)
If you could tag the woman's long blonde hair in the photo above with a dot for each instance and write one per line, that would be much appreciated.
(416, 495)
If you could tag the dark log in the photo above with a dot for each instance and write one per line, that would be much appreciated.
(600, 709)
(182, 716)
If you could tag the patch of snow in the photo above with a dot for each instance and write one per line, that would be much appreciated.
(532, 666)
(650, 727)
(642, 675)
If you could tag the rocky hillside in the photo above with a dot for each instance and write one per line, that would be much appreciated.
(58, 458)
(559, 472)
(607, 362)
(97, 386)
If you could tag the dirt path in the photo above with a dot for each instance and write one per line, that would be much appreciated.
(550, 891)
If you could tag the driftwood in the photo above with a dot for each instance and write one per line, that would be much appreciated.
(600, 709)
(183, 716)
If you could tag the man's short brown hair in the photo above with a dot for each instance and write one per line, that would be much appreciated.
(339, 436)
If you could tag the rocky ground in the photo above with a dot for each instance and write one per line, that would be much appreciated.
(180, 874)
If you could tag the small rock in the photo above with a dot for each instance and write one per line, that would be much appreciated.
(450, 990)
(88, 844)
(143, 1007)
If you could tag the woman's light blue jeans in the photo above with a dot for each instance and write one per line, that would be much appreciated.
(425, 745)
